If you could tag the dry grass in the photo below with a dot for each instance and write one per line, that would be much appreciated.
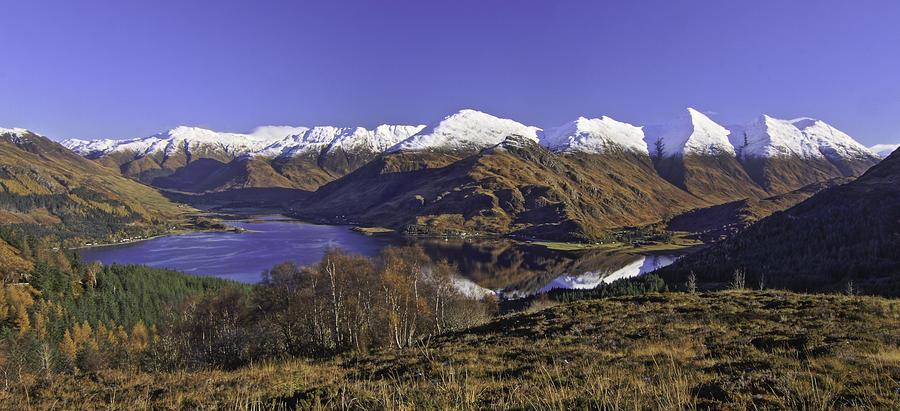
(732, 350)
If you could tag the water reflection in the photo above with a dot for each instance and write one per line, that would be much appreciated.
(497, 266)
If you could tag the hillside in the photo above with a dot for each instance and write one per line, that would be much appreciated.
(716, 222)
(51, 190)
(516, 187)
(694, 153)
(847, 235)
(729, 350)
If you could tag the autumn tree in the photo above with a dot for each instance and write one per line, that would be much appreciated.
(67, 346)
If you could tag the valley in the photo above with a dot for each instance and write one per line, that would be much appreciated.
(504, 267)
(449, 205)
(411, 256)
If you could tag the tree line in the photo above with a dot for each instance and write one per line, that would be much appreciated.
(67, 315)
(344, 303)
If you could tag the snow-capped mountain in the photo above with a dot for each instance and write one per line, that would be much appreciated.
(466, 130)
(269, 141)
(692, 152)
(595, 135)
(805, 138)
(319, 139)
(783, 155)
(185, 138)
(691, 133)
(884, 150)
(197, 159)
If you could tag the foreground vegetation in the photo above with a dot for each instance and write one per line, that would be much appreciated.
(731, 349)
(393, 333)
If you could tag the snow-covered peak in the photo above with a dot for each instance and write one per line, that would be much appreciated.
(771, 137)
(184, 137)
(382, 138)
(14, 131)
(264, 141)
(595, 135)
(691, 133)
(832, 143)
(466, 129)
(230, 141)
(16, 134)
(884, 150)
(85, 147)
(804, 137)
(348, 139)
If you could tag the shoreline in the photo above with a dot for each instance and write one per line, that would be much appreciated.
(176, 232)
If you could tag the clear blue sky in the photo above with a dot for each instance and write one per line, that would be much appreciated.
(115, 69)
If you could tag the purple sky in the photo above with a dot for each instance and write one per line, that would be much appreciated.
(114, 69)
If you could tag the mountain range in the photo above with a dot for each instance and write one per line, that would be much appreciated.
(334, 151)
(472, 171)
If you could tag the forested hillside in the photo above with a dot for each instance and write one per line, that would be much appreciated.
(48, 191)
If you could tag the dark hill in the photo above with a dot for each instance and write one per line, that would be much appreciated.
(845, 235)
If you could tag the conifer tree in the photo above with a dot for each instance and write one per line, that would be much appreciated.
(67, 346)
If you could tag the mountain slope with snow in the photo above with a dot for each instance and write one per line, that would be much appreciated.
(692, 133)
(804, 137)
(884, 150)
(319, 139)
(783, 155)
(466, 130)
(595, 135)
(184, 137)
(694, 153)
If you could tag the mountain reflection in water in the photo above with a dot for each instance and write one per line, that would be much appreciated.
(510, 268)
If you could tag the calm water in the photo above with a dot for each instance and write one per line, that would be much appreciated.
(239, 256)
(509, 268)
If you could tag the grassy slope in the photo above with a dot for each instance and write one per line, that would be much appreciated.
(523, 189)
(716, 179)
(732, 349)
(41, 166)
